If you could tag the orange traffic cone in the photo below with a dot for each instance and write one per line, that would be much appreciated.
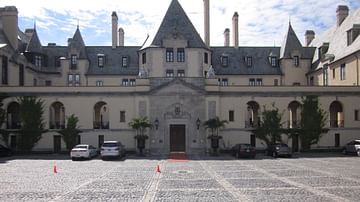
(158, 169)
(55, 169)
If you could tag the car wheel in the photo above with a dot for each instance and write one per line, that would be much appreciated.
(358, 152)
(73, 159)
(289, 155)
(274, 154)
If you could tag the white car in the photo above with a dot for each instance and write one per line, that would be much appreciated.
(352, 147)
(112, 149)
(83, 151)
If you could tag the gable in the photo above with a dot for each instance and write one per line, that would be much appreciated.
(177, 87)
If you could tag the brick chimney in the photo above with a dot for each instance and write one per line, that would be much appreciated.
(227, 37)
(9, 17)
(114, 29)
(342, 12)
(309, 36)
(207, 22)
(235, 21)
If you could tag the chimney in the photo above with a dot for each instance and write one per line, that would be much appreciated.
(121, 36)
(29, 33)
(235, 20)
(227, 37)
(342, 12)
(309, 36)
(114, 29)
(9, 17)
(207, 22)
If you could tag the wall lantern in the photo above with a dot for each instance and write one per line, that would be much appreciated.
(156, 122)
(198, 122)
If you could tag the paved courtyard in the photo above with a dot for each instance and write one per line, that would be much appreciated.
(223, 178)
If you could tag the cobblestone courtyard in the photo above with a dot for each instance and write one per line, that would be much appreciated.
(222, 178)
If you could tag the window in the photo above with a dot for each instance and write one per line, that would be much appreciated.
(57, 61)
(99, 83)
(101, 61)
(276, 82)
(206, 58)
(273, 61)
(169, 73)
(169, 55)
(325, 75)
(181, 73)
(21, 75)
(251, 82)
(124, 61)
(132, 82)
(231, 115)
(143, 57)
(122, 116)
(311, 81)
(356, 115)
(225, 82)
(4, 70)
(337, 140)
(249, 61)
(70, 79)
(180, 55)
(334, 73)
(296, 61)
(47, 83)
(342, 72)
(259, 82)
(74, 80)
(35, 82)
(224, 60)
(37, 60)
(296, 84)
(125, 82)
(73, 62)
(77, 79)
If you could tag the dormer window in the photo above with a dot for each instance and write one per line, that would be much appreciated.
(73, 61)
(296, 61)
(124, 62)
(248, 60)
(353, 33)
(273, 61)
(224, 60)
(101, 60)
(37, 60)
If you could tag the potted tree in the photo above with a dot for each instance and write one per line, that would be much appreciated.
(215, 124)
(140, 125)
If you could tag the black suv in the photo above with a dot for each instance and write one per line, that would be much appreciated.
(279, 149)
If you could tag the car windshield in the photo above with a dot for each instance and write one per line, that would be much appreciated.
(110, 144)
(81, 146)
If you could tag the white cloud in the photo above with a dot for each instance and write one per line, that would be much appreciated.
(261, 22)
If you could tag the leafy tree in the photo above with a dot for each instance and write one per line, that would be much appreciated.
(140, 125)
(312, 122)
(215, 124)
(71, 132)
(32, 127)
(5, 135)
(270, 128)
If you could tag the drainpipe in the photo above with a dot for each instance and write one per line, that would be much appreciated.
(357, 69)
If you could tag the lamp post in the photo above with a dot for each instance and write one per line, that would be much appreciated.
(198, 122)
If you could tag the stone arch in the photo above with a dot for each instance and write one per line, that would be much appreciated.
(294, 108)
(13, 116)
(336, 115)
(253, 115)
(57, 115)
(101, 115)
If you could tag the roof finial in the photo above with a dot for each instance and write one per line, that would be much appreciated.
(289, 20)
(78, 23)
(34, 24)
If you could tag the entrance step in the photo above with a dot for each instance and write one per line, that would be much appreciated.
(178, 157)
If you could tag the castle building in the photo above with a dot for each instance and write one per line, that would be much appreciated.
(179, 81)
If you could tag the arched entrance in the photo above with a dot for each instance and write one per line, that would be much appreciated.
(336, 115)
(101, 116)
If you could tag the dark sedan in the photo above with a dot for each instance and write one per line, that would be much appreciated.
(4, 151)
(243, 150)
(279, 149)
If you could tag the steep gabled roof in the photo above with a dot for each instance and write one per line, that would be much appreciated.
(177, 22)
(77, 43)
(34, 45)
(291, 43)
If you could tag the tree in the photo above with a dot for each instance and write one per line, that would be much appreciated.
(270, 128)
(5, 135)
(312, 122)
(215, 124)
(71, 132)
(32, 123)
(140, 125)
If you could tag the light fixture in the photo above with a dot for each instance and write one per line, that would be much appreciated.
(198, 122)
(156, 122)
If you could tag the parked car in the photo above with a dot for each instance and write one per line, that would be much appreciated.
(243, 150)
(279, 149)
(4, 151)
(112, 149)
(352, 147)
(83, 151)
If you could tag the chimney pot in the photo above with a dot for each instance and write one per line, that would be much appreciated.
(235, 20)
(342, 12)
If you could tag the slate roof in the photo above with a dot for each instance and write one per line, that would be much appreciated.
(337, 39)
(177, 22)
(34, 44)
(113, 60)
(78, 43)
(53, 52)
(237, 64)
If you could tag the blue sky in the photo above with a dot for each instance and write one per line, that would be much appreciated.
(261, 22)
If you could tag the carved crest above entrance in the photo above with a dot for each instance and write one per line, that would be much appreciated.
(176, 111)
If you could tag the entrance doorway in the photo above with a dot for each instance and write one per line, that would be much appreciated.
(57, 143)
(177, 138)
(295, 143)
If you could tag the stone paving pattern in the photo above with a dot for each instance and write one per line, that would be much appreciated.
(203, 178)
